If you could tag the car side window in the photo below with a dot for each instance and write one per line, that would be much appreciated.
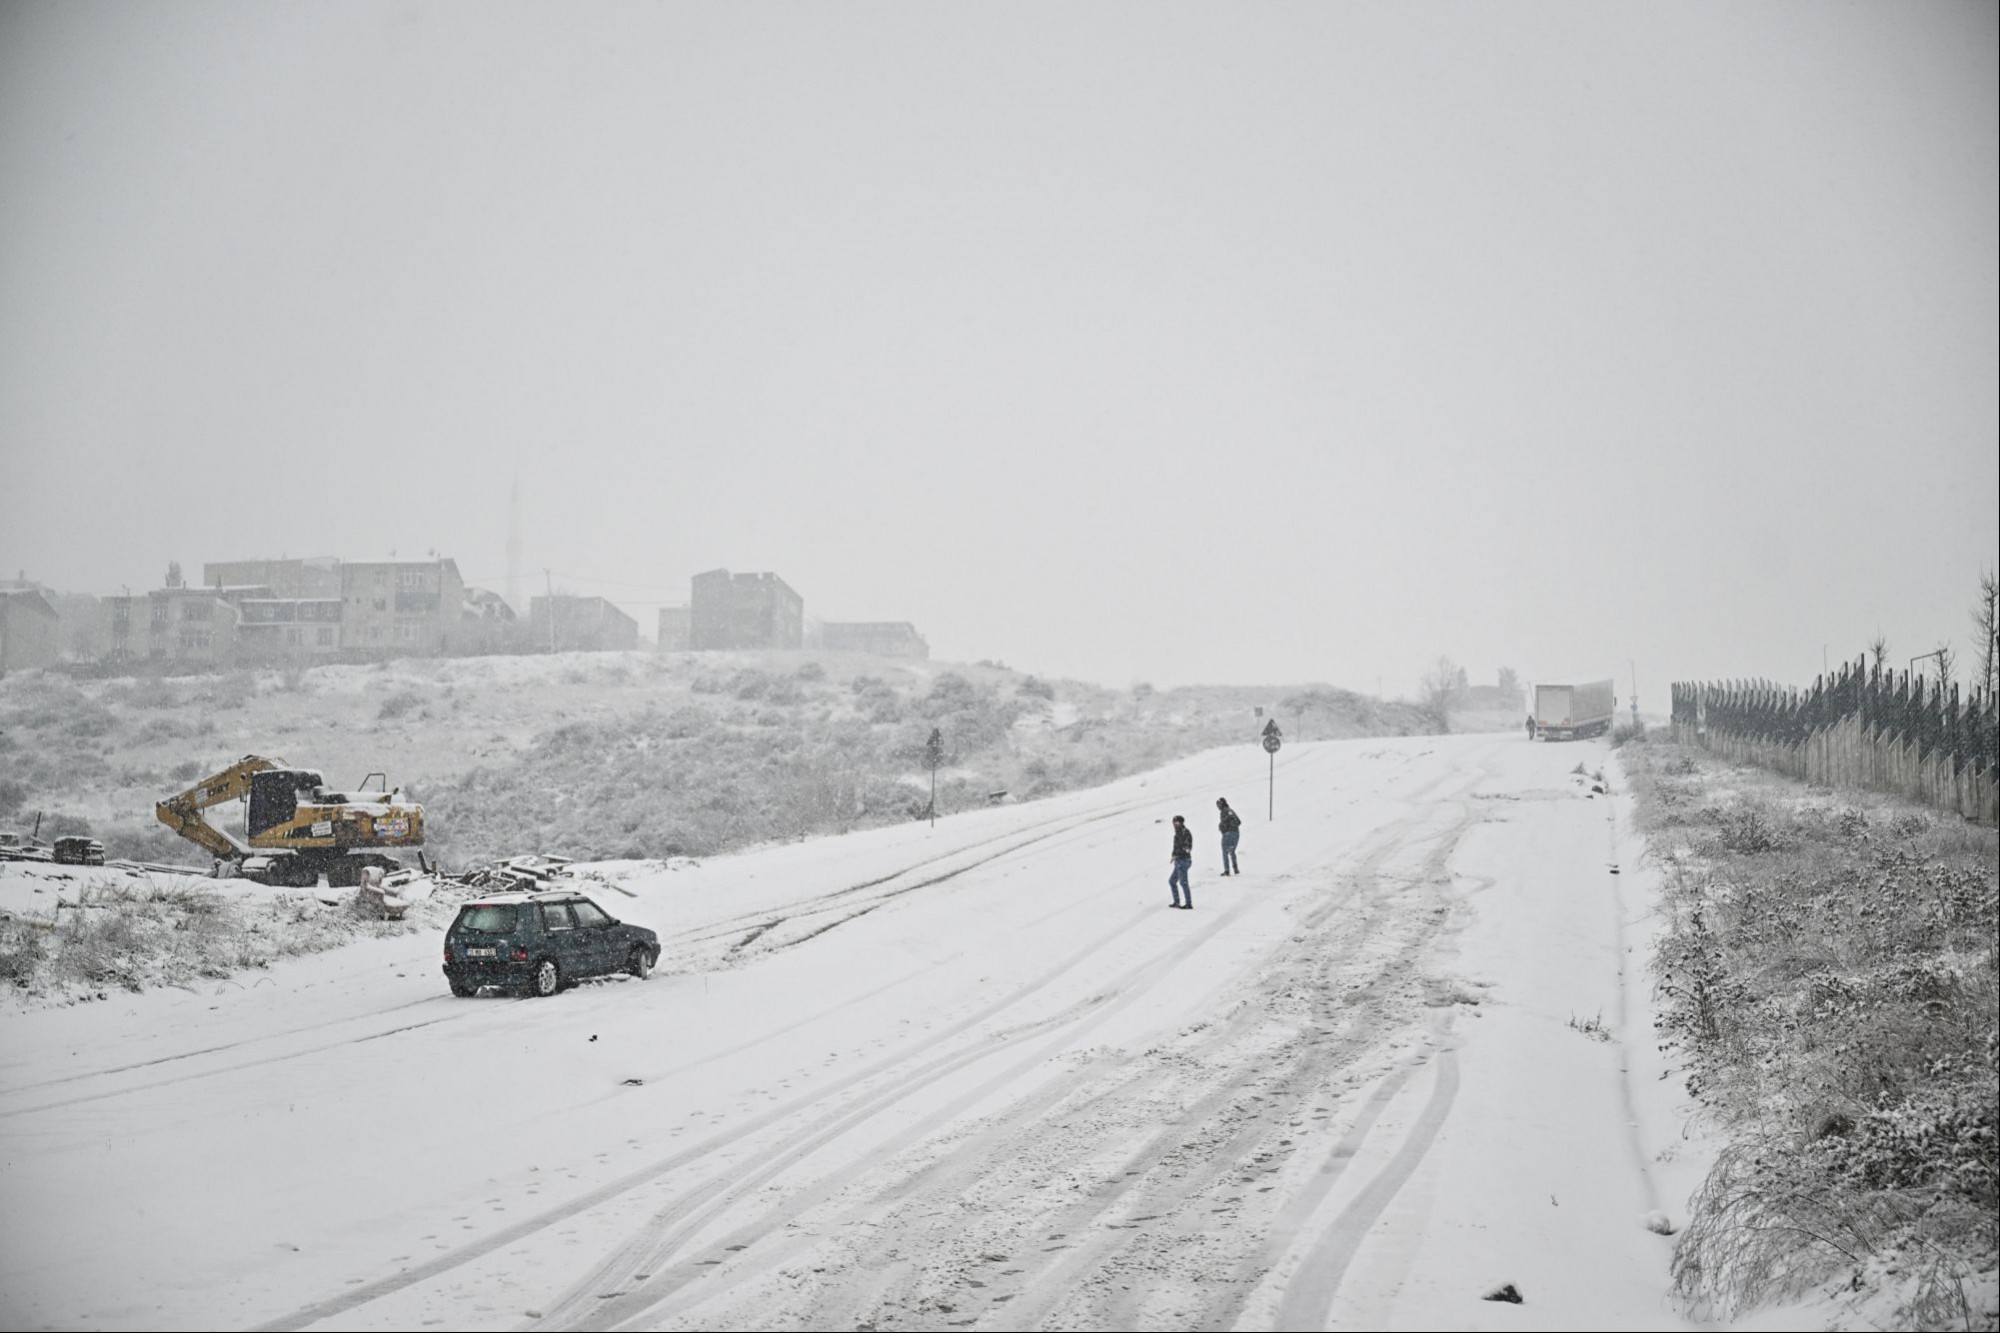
(589, 914)
(555, 916)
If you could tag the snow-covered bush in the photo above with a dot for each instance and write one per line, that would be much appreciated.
(399, 703)
(130, 935)
(1829, 982)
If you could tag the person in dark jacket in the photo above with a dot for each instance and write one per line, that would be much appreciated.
(1232, 829)
(1182, 856)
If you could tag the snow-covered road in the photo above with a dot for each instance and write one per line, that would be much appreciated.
(976, 1076)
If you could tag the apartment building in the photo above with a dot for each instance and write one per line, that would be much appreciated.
(744, 611)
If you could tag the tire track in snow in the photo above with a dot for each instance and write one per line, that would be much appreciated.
(936, 1186)
(367, 1292)
(1286, 1107)
(945, 1177)
(589, 1305)
(229, 1069)
(223, 1046)
(754, 927)
(1308, 1300)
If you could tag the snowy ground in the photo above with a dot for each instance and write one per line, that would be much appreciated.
(974, 1076)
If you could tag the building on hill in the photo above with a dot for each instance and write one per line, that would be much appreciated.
(82, 617)
(401, 608)
(674, 630)
(488, 624)
(313, 578)
(30, 630)
(567, 623)
(387, 608)
(277, 628)
(879, 638)
(179, 623)
(744, 611)
(1506, 694)
(81, 633)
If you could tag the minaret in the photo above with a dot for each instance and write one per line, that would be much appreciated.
(514, 549)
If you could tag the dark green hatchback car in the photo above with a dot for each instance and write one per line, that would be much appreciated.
(537, 943)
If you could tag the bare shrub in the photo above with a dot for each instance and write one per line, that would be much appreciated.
(397, 704)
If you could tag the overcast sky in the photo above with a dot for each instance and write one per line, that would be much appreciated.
(1241, 343)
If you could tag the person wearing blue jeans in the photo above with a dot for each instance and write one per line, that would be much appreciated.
(1232, 829)
(1183, 857)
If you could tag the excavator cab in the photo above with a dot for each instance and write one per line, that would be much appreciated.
(275, 795)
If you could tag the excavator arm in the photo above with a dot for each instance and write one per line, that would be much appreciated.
(183, 813)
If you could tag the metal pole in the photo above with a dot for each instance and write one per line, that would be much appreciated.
(549, 583)
(1271, 796)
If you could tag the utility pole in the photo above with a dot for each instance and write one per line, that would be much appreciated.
(548, 580)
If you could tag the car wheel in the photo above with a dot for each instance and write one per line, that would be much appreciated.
(547, 979)
(461, 989)
(640, 964)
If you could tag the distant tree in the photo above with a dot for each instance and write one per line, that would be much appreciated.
(1986, 641)
(173, 573)
(1510, 687)
(1439, 690)
(1878, 648)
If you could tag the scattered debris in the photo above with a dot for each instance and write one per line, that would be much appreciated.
(514, 874)
(1592, 1028)
(1506, 1291)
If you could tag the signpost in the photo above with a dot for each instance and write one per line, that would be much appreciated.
(933, 756)
(1273, 738)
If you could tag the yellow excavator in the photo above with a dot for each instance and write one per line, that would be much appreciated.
(295, 829)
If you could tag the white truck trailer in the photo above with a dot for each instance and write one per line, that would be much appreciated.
(1571, 712)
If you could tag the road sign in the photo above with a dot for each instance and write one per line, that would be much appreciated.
(933, 756)
(1273, 738)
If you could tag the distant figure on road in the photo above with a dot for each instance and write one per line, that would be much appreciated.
(1531, 726)
(1182, 856)
(1231, 830)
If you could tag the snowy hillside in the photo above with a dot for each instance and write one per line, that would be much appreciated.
(619, 754)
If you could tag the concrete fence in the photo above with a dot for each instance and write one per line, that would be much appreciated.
(1858, 729)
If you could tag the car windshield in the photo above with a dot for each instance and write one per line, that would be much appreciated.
(488, 919)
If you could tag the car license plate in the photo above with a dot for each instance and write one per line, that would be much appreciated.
(479, 953)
